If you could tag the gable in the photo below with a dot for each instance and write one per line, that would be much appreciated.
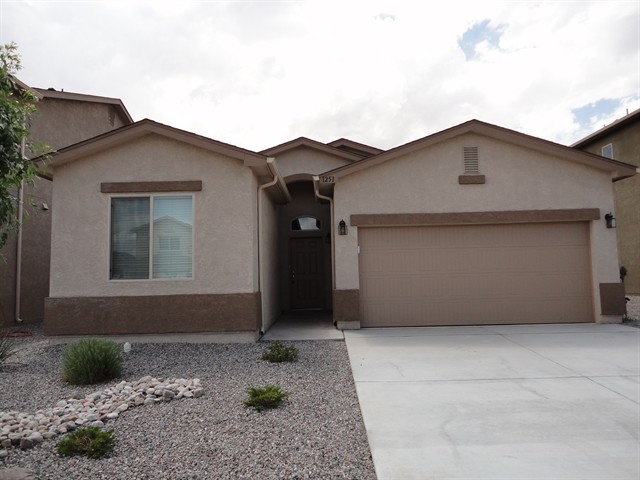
(516, 177)
(308, 161)
(505, 136)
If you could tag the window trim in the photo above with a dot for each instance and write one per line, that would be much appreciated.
(150, 277)
(609, 145)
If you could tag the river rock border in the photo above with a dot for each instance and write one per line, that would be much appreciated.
(25, 430)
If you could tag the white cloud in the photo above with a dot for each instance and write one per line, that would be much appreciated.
(259, 73)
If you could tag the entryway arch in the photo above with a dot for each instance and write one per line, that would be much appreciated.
(304, 248)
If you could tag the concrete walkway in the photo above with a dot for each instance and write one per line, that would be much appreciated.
(304, 326)
(504, 402)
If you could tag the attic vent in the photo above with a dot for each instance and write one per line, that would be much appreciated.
(471, 161)
(112, 116)
(607, 151)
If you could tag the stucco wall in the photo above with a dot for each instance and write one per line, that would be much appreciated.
(626, 148)
(223, 214)
(516, 179)
(307, 160)
(60, 123)
(269, 261)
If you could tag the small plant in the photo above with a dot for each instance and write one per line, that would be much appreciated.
(7, 348)
(88, 441)
(91, 360)
(279, 352)
(261, 398)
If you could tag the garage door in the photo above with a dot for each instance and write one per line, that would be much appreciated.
(473, 275)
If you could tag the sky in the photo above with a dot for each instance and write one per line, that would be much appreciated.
(259, 73)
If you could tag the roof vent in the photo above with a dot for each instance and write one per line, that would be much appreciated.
(471, 161)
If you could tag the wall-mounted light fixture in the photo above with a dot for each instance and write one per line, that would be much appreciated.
(610, 220)
(342, 228)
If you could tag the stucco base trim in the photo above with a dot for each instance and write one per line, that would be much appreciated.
(612, 299)
(236, 312)
(346, 308)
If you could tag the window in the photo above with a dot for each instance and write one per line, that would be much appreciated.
(141, 248)
(305, 223)
(607, 150)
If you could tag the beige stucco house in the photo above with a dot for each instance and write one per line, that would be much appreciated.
(621, 141)
(473, 225)
(61, 119)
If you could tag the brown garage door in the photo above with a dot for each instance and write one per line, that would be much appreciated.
(472, 275)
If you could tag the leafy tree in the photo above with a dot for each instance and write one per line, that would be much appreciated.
(17, 104)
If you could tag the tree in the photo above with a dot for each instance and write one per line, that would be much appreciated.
(17, 104)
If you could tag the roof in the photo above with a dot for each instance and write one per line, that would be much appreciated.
(80, 97)
(313, 144)
(355, 147)
(623, 170)
(608, 129)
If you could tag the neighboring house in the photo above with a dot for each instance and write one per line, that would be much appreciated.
(621, 141)
(61, 119)
(476, 224)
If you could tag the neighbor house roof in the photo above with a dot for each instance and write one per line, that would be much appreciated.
(608, 129)
(307, 142)
(623, 170)
(80, 97)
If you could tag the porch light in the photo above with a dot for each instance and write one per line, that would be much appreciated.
(342, 228)
(610, 220)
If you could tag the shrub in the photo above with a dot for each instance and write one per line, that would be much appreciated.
(90, 361)
(261, 398)
(89, 441)
(7, 348)
(279, 352)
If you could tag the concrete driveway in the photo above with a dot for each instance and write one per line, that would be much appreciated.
(503, 402)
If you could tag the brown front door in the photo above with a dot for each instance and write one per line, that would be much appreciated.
(307, 276)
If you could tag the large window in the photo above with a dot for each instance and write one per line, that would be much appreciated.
(151, 237)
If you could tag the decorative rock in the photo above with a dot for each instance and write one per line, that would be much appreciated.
(36, 437)
(26, 430)
(168, 395)
(3, 453)
(26, 443)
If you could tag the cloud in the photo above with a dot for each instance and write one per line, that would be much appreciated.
(259, 73)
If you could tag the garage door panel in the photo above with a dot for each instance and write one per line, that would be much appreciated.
(490, 274)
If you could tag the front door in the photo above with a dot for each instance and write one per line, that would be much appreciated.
(306, 271)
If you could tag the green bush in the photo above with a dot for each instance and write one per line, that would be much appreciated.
(7, 348)
(88, 441)
(261, 398)
(279, 352)
(90, 361)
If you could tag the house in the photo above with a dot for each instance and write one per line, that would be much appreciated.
(476, 224)
(621, 141)
(61, 119)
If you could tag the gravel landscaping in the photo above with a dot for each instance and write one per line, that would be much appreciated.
(317, 433)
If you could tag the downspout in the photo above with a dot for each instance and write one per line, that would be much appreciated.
(316, 179)
(19, 241)
(274, 180)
